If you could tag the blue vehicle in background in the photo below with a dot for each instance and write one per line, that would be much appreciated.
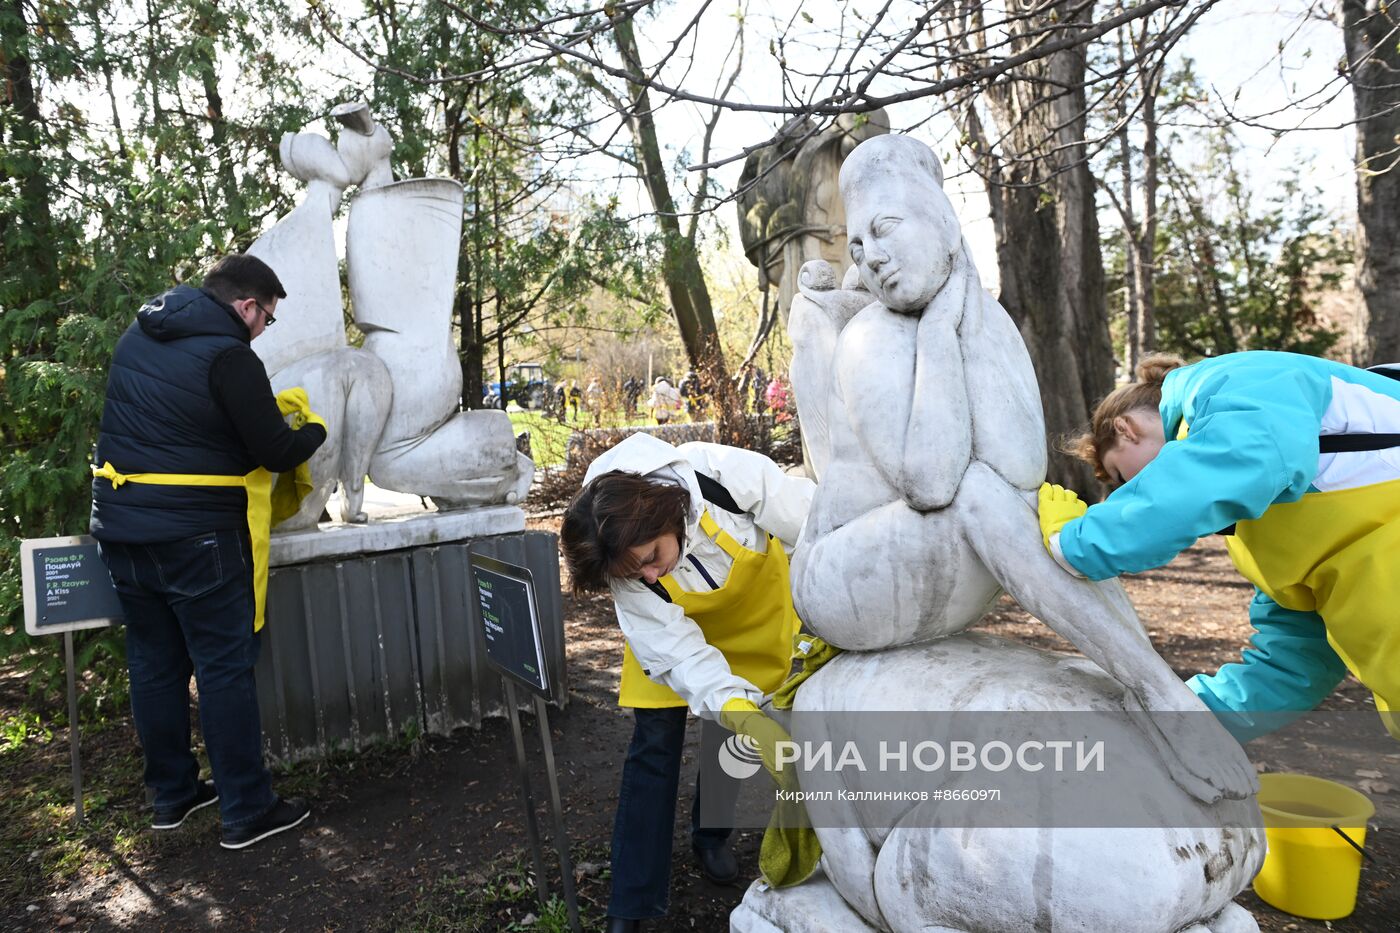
(525, 385)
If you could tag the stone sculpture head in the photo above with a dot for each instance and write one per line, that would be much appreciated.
(901, 229)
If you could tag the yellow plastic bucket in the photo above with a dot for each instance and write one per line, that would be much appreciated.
(1311, 870)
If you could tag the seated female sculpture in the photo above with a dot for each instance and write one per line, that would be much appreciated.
(925, 513)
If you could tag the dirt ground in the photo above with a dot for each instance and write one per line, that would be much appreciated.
(428, 834)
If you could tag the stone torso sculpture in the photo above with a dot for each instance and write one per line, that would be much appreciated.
(790, 211)
(932, 449)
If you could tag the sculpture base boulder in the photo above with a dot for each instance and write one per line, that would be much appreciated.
(1165, 863)
(816, 907)
(812, 907)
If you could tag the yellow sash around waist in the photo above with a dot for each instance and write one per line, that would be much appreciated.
(259, 487)
(750, 619)
(267, 504)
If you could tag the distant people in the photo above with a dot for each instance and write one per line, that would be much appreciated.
(593, 398)
(631, 393)
(561, 402)
(665, 401)
(759, 386)
(191, 433)
(575, 397)
(745, 386)
(690, 392)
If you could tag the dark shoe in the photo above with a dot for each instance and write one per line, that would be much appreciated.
(284, 815)
(718, 865)
(619, 925)
(172, 817)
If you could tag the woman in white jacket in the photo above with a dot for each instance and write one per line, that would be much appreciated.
(693, 543)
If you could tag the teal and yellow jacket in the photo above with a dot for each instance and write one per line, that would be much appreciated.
(1317, 534)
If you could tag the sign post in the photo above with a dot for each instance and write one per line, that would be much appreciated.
(510, 621)
(66, 587)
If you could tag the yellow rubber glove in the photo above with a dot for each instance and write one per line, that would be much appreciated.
(296, 484)
(1058, 507)
(790, 851)
(294, 402)
(743, 717)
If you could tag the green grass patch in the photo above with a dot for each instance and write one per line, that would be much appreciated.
(549, 439)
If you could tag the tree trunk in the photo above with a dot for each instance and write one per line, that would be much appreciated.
(1047, 231)
(1373, 67)
(1145, 266)
(1132, 276)
(471, 349)
(681, 271)
(22, 132)
(470, 352)
(235, 214)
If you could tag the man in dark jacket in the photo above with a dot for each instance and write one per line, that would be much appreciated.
(190, 412)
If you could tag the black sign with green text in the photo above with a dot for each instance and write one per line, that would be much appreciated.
(66, 586)
(510, 622)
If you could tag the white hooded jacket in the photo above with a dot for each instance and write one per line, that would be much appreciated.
(668, 645)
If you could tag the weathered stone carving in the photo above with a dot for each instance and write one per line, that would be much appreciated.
(929, 442)
(391, 406)
(791, 211)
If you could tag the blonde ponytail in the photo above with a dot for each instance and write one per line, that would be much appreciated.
(1146, 393)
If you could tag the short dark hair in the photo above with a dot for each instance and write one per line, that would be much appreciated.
(240, 276)
(614, 512)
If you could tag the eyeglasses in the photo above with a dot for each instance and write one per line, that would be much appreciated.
(267, 315)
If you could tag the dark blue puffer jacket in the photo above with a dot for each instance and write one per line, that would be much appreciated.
(161, 417)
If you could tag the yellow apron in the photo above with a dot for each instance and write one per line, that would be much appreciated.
(291, 488)
(750, 619)
(1337, 554)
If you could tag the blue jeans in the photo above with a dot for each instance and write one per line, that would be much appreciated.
(646, 811)
(189, 610)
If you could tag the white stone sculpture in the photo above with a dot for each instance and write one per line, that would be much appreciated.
(348, 387)
(391, 406)
(931, 446)
(813, 327)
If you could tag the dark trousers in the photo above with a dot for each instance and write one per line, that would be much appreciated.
(189, 610)
(646, 810)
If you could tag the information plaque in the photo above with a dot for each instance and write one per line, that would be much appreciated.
(66, 586)
(510, 620)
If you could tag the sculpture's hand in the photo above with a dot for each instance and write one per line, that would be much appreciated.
(938, 442)
(1202, 758)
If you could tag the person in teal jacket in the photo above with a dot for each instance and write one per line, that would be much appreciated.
(1296, 460)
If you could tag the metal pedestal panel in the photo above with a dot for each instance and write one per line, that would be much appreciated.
(358, 650)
